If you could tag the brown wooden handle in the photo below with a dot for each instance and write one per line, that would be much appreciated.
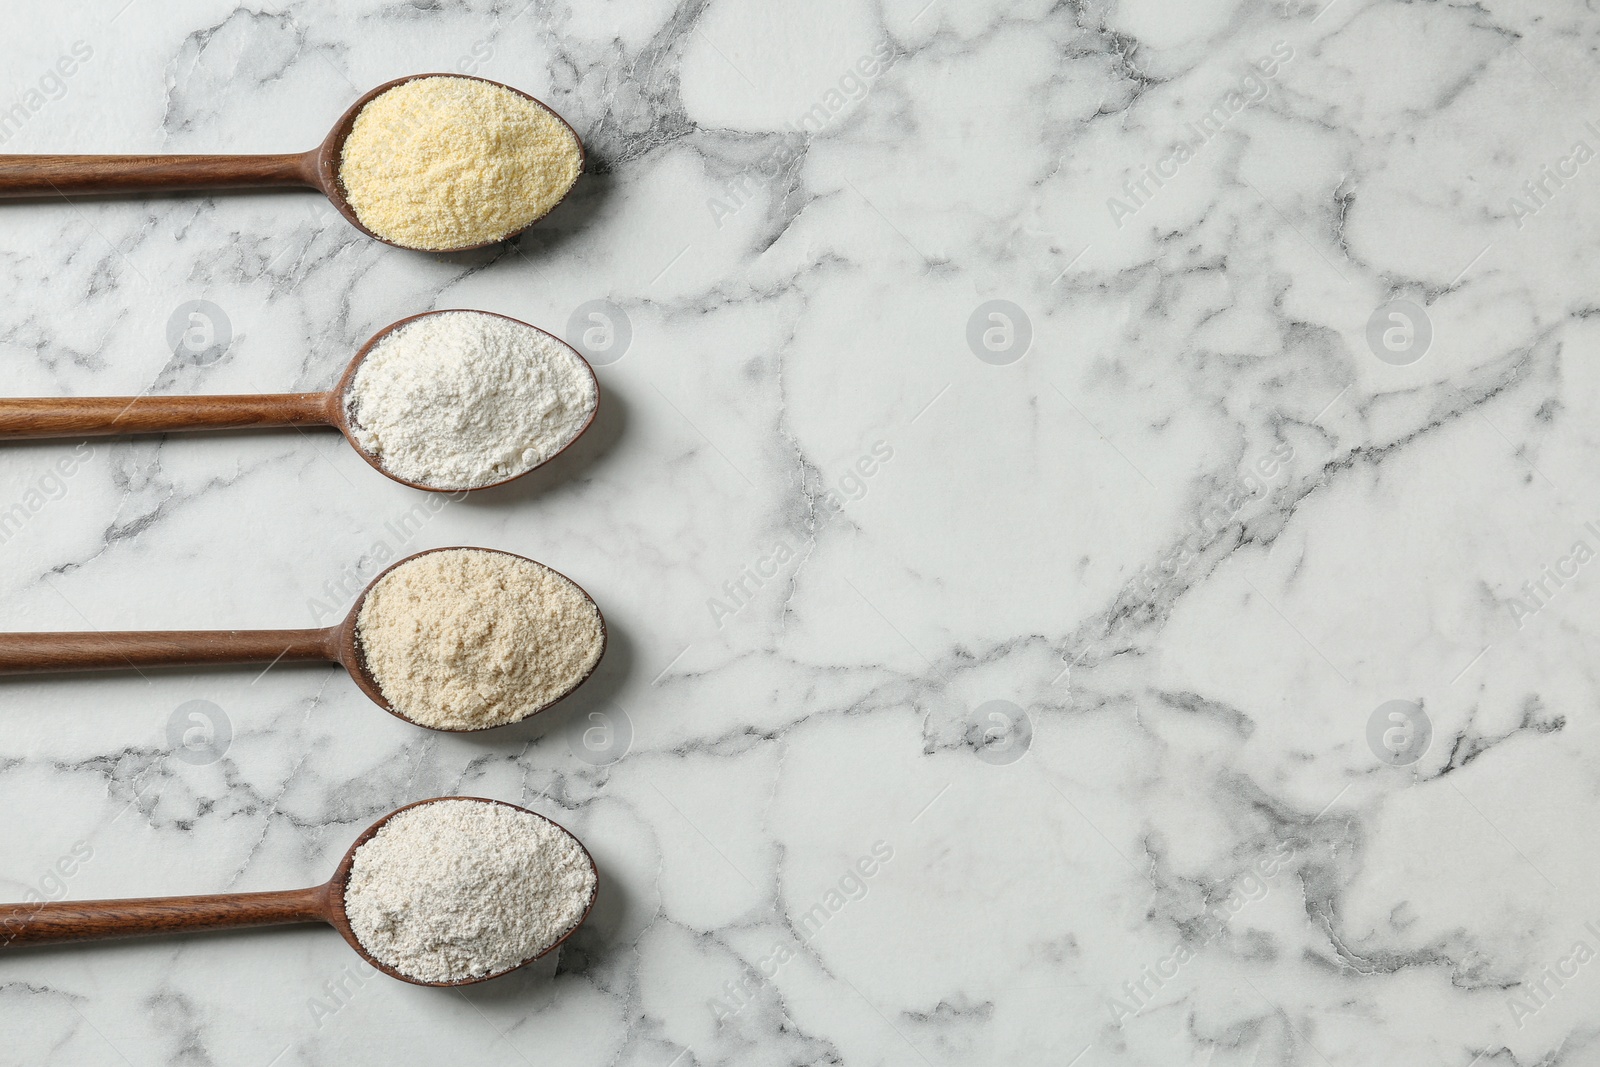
(28, 653)
(93, 416)
(91, 920)
(50, 175)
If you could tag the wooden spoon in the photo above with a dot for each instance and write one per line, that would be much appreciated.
(56, 922)
(316, 169)
(46, 652)
(24, 418)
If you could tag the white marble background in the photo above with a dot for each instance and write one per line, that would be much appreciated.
(1188, 852)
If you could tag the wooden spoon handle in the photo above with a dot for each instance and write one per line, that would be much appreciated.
(28, 653)
(91, 920)
(93, 416)
(50, 175)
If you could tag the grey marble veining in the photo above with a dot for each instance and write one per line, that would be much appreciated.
(1095, 505)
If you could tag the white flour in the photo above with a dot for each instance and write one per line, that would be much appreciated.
(464, 398)
(462, 889)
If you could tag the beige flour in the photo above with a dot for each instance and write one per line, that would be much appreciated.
(442, 163)
(464, 638)
(459, 889)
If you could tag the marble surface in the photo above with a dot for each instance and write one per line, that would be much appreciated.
(1094, 503)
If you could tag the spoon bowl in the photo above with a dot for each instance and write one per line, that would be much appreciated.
(32, 653)
(318, 168)
(324, 160)
(345, 642)
(340, 921)
(56, 922)
(337, 406)
(33, 418)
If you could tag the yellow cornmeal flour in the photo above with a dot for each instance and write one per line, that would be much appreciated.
(440, 163)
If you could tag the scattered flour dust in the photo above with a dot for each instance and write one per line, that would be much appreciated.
(461, 399)
(466, 638)
(444, 163)
(457, 889)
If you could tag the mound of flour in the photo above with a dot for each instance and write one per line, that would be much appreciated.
(462, 889)
(462, 399)
(441, 162)
(466, 638)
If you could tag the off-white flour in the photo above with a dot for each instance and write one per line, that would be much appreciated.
(459, 889)
(461, 399)
(465, 638)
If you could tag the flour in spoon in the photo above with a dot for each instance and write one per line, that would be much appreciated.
(467, 638)
(460, 888)
(461, 399)
(439, 162)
